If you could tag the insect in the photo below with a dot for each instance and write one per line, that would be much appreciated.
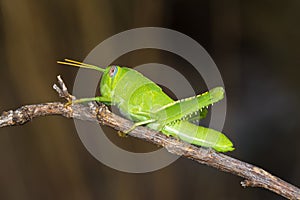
(142, 101)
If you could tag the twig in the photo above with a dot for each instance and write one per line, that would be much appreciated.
(254, 176)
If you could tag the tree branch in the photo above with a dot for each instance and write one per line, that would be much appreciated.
(254, 176)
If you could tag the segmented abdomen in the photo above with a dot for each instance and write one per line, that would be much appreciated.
(198, 135)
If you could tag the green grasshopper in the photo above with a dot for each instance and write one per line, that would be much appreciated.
(142, 101)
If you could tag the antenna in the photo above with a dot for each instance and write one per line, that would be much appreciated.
(75, 63)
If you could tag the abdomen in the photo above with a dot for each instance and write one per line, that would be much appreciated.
(198, 135)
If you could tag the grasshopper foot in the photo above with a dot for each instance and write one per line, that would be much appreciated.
(70, 102)
(122, 134)
(138, 124)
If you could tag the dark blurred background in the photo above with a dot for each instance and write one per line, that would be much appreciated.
(255, 45)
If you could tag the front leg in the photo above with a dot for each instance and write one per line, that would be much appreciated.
(83, 100)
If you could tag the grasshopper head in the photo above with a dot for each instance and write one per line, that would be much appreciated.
(109, 80)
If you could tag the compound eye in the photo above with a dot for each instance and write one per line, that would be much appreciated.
(113, 71)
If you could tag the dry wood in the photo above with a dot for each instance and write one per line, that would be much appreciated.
(254, 176)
